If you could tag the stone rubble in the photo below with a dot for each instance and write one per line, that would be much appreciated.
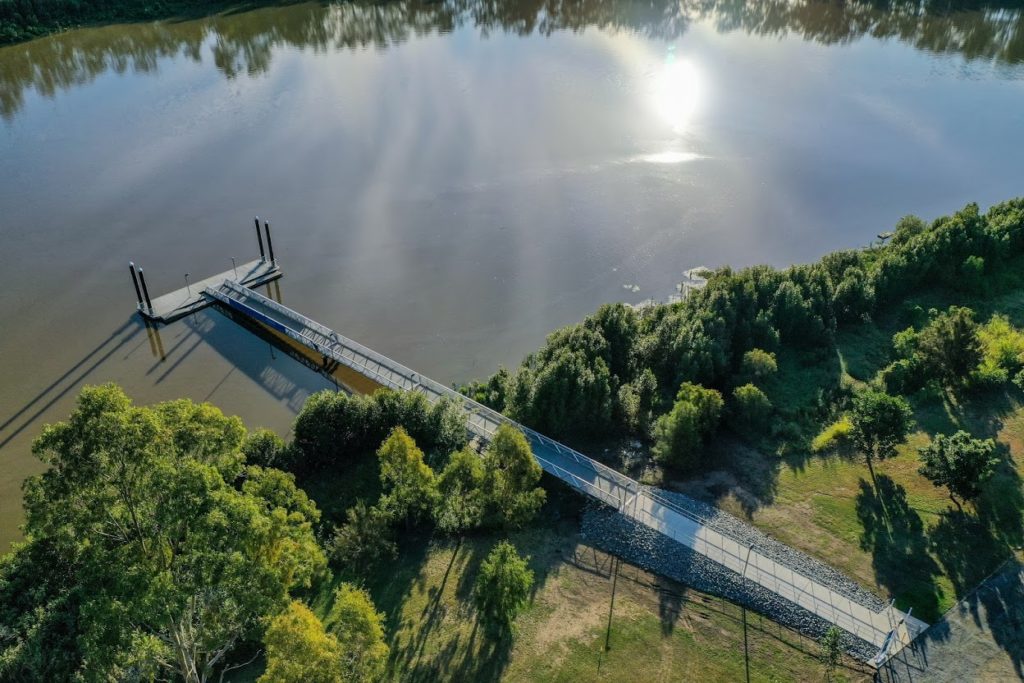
(654, 552)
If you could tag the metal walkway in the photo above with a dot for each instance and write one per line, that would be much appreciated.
(888, 629)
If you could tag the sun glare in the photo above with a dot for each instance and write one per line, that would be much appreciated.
(676, 91)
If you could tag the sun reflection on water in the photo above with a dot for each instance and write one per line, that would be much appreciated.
(676, 91)
(668, 157)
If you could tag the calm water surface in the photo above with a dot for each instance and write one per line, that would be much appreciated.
(449, 182)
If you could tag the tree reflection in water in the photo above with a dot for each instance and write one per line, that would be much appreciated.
(243, 42)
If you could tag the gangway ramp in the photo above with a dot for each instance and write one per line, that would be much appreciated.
(887, 628)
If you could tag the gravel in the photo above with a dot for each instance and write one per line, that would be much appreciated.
(800, 562)
(645, 547)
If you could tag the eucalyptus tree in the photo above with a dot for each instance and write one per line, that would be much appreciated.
(178, 551)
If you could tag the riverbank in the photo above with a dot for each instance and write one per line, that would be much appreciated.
(22, 20)
(830, 329)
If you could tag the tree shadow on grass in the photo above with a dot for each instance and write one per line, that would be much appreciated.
(895, 536)
(933, 414)
(741, 471)
(969, 546)
(938, 411)
(982, 413)
(434, 643)
(1001, 504)
(965, 548)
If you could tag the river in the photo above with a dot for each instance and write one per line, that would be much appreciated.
(448, 182)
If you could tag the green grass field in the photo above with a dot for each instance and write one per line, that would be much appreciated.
(659, 630)
(899, 535)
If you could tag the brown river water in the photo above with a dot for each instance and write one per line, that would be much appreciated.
(448, 182)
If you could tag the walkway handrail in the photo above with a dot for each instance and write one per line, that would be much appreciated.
(484, 421)
(425, 382)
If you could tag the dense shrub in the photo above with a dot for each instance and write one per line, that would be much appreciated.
(758, 364)
(264, 448)
(750, 408)
(1002, 346)
(333, 428)
(680, 435)
(837, 435)
(590, 379)
(366, 538)
(904, 376)
(636, 402)
(503, 585)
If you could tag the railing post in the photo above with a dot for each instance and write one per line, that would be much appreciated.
(135, 282)
(259, 238)
(270, 245)
(145, 291)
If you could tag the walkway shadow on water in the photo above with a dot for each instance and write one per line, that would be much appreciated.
(255, 354)
(258, 357)
(70, 379)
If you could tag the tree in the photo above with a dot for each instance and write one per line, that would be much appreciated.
(333, 428)
(679, 436)
(831, 650)
(636, 402)
(750, 407)
(299, 650)
(972, 274)
(359, 628)
(949, 346)
(510, 477)
(39, 601)
(461, 497)
(854, 296)
(758, 364)
(880, 423)
(366, 538)
(410, 485)
(263, 447)
(907, 228)
(180, 550)
(503, 584)
(960, 463)
(567, 389)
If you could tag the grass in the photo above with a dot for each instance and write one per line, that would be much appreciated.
(899, 535)
(659, 630)
(895, 533)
